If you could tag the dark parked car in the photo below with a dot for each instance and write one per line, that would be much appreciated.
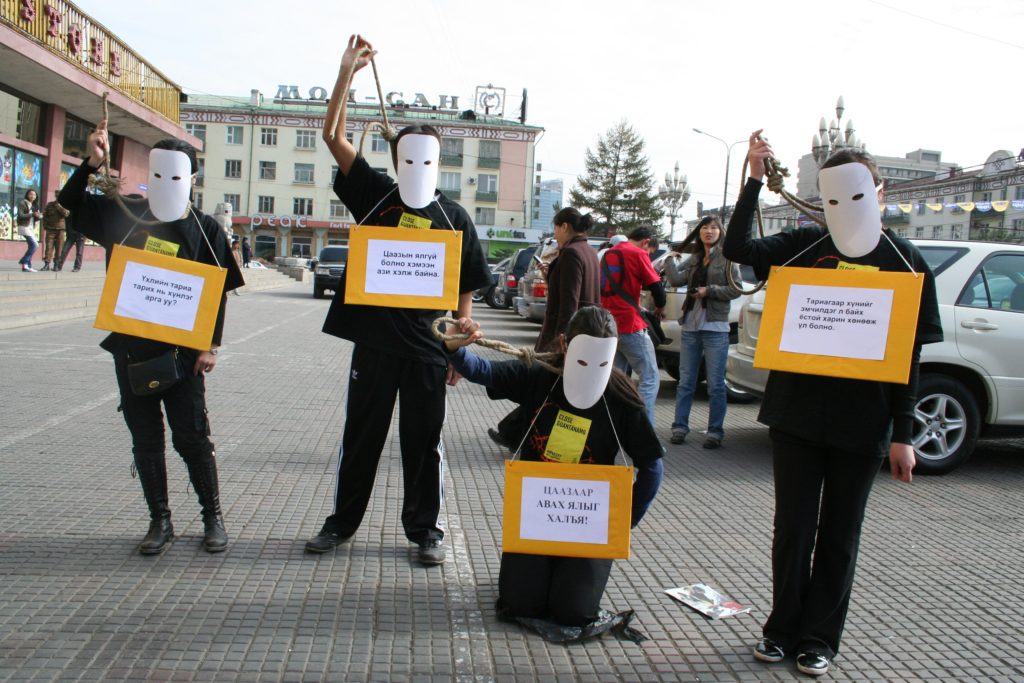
(508, 279)
(328, 270)
(486, 293)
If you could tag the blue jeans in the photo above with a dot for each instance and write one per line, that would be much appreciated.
(636, 351)
(714, 347)
(26, 260)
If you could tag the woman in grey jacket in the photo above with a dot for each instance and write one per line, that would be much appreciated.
(705, 329)
(28, 214)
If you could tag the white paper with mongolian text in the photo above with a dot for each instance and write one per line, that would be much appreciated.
(159, 296)
(414, 269)
(569, 510)
(843, 322)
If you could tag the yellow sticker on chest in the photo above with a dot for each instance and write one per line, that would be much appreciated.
(568, 437)
(159, 246)
(409, 220)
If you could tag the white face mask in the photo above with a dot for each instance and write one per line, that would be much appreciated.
(418, 157)
(850, 199)
(588, 366)
(170, 179)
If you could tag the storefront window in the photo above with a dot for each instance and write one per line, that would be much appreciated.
(76, 132)
(265, 247)
(301, 246)
(6, 192)
(21, 118)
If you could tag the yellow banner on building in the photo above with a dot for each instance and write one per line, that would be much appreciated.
(403, 267)
(567, 510)
(160, 297)
(858, 324)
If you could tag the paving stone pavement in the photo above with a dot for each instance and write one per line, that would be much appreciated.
(937, 596)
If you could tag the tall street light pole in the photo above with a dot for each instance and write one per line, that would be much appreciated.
(728, 153)
(674, 193)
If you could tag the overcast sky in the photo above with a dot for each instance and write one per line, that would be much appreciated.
(933, 74)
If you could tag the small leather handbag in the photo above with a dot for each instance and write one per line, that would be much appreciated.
(156, 375)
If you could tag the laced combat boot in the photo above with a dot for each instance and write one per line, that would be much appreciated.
(203, 473)
(153, 477)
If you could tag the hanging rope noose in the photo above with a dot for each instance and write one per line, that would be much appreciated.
(523, 353)
(775, 175)
(111, 186)
(388, 132)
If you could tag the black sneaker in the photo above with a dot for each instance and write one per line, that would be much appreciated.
(812, 664)
(431, 552)
(767, 650)
(497, 438)
(324, 541)
(678, 436)
(712, 442)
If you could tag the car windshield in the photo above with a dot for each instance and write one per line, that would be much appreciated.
(334, 255)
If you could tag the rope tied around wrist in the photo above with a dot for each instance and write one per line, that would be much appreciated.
(524, 353)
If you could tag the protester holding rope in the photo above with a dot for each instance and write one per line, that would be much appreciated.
(829, 435)
(704, 322)
(396, 354)
(166, 223)
(577, 384)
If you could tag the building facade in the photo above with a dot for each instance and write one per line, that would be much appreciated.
(917, 165)
(56, 63)
(267, 160)
(548, 196)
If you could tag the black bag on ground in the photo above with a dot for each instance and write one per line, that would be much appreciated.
(155, 375)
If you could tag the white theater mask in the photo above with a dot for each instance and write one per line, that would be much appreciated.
(170, 180)
(418, 157)
(850, 199)
(588, 366)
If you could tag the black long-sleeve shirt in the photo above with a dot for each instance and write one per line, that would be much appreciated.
(100, 219)
(847, 414)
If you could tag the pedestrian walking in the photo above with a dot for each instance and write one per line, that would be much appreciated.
(704, 323)
(193, 236)
(54, 216)
(72, 239)
(246, 252)
(28, 215)
(829, 435)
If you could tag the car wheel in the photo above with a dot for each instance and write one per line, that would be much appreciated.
(477, 296)
(501, 299)
(318, 293)
(946, 424)
(736, 395)
(492, 298)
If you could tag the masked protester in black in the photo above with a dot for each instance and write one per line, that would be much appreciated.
(195, 237)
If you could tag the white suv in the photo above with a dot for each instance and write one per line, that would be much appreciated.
(972, 383)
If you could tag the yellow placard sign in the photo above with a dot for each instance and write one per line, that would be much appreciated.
(160, 297)
(411, 220)
(403, 267)
(841, 323)
(567, 510)
(159, 246)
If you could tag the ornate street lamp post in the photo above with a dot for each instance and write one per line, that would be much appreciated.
(673, 194)
(830, 137)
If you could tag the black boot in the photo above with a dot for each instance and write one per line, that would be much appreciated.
(203, 473)
(159, 537)
(153, 477)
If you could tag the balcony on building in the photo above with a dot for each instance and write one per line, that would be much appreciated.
(486, 196)
(451, 160)
(452, 193)
(488, 162)
(896, 219)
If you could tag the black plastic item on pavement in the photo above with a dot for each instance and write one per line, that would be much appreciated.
(617, 623)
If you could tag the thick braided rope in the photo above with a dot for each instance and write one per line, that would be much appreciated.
(523, 353)
(388, 132)
(111, 186)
